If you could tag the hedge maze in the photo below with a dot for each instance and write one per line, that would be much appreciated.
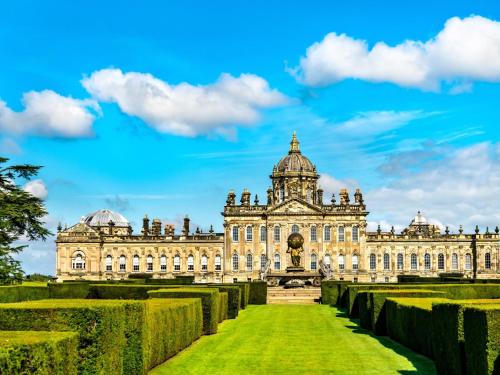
(109, 327)
(457, 325)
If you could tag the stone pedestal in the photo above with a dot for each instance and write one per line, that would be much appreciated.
(294, 269)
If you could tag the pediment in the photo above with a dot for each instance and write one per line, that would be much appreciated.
(295, 206)
(80, 228)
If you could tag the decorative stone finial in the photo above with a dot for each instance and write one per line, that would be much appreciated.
(333, 199)
(59, 227)
(379, 230)
(461, 229)
(497, 230)
(477, 229)
(256, 200)
(294, 144)
(447, 230)
(211, 230)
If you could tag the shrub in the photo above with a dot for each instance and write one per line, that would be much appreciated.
(409, 322)
(177, 281)
(258, 293)
(329, 292)
(142, 275)
(209, 301)
(222, 306)
(104, 291)
(448, 335)
(245, 294)
(29, 352)
(482, 339)
(234, 298)
(69, 290)
(21, 293)
(372, 306)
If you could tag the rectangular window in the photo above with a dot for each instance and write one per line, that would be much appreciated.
(277, 234)
(236, 234)
(218, 265)
(328, 234)
(263, 234)
(355, 234)
(235, 262)
(263, 261)
(177, 263)
(314, 234)
(109, 264)
(487, 261)
(163, 264)
(135, 264)
(204, 263)
(386, 262)
(341, 263)
(123, 263)
(249, 233)
(400, 261)
(354, 262)
(249, 262)
(468, 263)
(341, 234)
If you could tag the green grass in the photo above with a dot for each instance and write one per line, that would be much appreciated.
(294, 339)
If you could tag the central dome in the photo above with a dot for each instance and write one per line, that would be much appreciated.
(103, 217)
(295, 161)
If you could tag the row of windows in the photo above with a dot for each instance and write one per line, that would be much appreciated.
(327, 233)
(427, 261)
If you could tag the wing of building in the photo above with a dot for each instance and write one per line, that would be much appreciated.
(254, 243)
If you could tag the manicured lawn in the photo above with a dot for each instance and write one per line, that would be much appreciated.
(294, 339)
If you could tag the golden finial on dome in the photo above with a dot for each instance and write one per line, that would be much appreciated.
(294, 144)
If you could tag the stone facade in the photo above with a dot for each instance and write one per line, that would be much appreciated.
(103, 246)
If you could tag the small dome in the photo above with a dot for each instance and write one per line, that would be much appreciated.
(103, 217)
(295, 161)
(419, 219)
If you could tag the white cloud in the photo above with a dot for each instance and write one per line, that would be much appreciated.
(47, 113)
(185, 109)
(37, 188)
(464, 50)
(331, 185)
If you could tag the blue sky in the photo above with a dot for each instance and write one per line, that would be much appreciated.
(385, 96)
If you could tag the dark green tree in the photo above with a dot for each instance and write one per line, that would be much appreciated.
(21, 215)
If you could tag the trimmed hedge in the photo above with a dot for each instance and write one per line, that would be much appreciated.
(177, 281)
(30, 352)
(234, 298)
(222, 306)
(103, 291)
(258, 293)
(209, 300)
(372, 306)
(482, 339)
(448, 335)
(409, 322)
(21, 293)
(69, 290)
(115, 337)
(245, 294)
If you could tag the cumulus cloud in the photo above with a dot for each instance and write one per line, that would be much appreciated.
(37, 188)
(47, 113)
(185, 109)
(464, 50)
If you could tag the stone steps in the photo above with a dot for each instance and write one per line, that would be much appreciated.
(293, 296)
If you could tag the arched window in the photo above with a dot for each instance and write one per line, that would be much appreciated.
(328, 233)
(413, 261)
(355, 234)
(277, 233)
(109, 263)
(440, 261)
(355, 262)
(314, 262)
(314, 234)
(487, 261)
(387, 262)
(454, 261)
(204, 263)
(263, 261)
(282, 194)
(400, 261)
(295, 228)
(235, 262)
(341, 262)
(341, 234)
(327, 260)
(263, 234)
(218, 263)
(78, 261)
(277, 262)
(177, 263)
(163, 263)
(236, 234)
(149, 263)
(249, 262)
(190, 263)
(123, 263)
(249, 233)
(427, 261)
(135, 263)
(468, 262)
(373, 261)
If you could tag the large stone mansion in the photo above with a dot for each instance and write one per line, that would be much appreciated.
(254, 243)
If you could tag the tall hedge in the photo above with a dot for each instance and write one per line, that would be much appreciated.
(188, 280)
(209, 300)
(234, 298)
(105, 291)
(482, 339)
(222, 306)
(258, 293)
(372, 313)
(409, 322)
(245, 293)
(75, 290)
(33, 352)
(19, 293)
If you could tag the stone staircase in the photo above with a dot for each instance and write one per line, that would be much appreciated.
(280, 295)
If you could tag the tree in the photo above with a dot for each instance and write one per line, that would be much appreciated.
(21, 215)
